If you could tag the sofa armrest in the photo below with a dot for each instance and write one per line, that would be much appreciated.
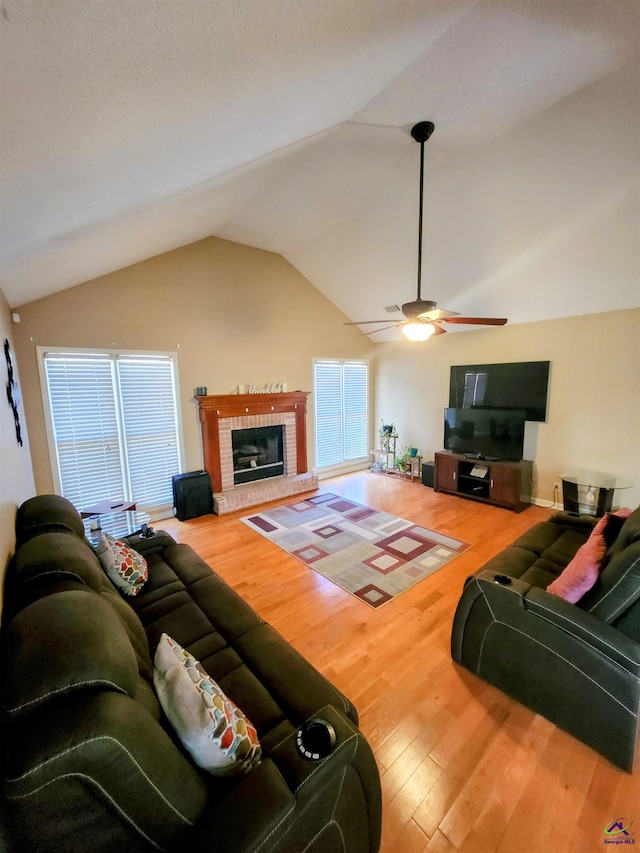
(509, 593)
(588, 628)
(567, 618)
(148, 545)
(580, 522)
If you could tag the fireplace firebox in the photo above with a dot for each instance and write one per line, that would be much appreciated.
(258, 453)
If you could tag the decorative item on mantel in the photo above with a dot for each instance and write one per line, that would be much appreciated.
(269, 388)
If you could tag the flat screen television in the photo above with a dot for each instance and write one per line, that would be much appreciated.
(515, 385)
(492, 434)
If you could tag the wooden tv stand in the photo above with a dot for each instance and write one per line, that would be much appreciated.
(506, 484)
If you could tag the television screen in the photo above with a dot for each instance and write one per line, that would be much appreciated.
(516, 385)
(485, 433)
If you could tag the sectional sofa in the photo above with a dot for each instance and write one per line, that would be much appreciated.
(92, 758)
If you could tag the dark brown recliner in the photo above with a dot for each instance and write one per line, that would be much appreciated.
(89, 760)
(576, 664)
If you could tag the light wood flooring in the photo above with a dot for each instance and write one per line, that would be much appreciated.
(463, 767)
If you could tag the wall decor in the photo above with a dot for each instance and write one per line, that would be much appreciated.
(13, 391)
(269, 388)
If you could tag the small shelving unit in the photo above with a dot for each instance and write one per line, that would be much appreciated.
(413, 467)
(383, 458)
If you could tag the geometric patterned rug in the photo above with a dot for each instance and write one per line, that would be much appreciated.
(370, 554)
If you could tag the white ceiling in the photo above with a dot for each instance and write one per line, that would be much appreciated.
(132, 127)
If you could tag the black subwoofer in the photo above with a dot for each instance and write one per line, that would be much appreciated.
(427, 474)
(192, 495)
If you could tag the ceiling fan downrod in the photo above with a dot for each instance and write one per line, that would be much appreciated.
(421, 133)
(422, 317)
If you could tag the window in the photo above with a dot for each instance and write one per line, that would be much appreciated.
(113, 426)
(475, 386)
(341, 411)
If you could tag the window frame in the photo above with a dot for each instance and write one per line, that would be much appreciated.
(157, 511)
(349, 464)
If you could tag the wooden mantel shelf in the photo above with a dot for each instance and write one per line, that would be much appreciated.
(236, 405)
(213, 407)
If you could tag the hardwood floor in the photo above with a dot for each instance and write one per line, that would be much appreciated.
(463, 767)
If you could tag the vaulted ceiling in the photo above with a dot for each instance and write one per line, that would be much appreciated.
(132, 127)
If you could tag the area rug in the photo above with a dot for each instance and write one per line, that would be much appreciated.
(370, 554)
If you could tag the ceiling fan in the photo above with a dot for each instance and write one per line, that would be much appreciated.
(422, 316)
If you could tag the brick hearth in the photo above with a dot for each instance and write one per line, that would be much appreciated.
(262, 491)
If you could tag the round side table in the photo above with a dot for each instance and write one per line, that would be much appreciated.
(590, 492)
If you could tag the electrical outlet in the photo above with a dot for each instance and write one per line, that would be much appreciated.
(556, 494)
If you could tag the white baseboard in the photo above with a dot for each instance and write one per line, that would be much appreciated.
(539, 502)
(336, 470)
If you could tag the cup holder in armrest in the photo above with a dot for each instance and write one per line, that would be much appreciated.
(503, 580)
(315, 739)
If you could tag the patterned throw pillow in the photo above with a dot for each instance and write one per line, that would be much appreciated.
(125, 567)
(216, 733)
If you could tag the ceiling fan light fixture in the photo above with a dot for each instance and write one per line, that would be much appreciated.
(418, 331)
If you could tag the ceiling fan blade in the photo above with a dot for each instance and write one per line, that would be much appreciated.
(368, 322)
(476, 321)
(437, 314)
(438, 330)
(384, 329)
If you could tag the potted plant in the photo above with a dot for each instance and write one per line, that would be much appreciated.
(401, 462)
(388, 436)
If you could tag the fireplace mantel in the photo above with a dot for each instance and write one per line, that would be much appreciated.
(215, 407)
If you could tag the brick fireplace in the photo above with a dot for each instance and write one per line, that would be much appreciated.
(222, 414)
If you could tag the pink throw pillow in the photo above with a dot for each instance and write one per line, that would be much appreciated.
(623, 512)
(583, 571)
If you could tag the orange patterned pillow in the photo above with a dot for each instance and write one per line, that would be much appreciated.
(216, 733)
(125, 567)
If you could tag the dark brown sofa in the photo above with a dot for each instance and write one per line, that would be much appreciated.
(89, 760)
(576, 664)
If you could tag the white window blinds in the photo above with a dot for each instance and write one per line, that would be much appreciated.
(341, 411)
(114, 426)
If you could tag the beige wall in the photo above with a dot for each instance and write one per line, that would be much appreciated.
(16, 474)
(234, 314)
(237, 315)
(594, 398)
